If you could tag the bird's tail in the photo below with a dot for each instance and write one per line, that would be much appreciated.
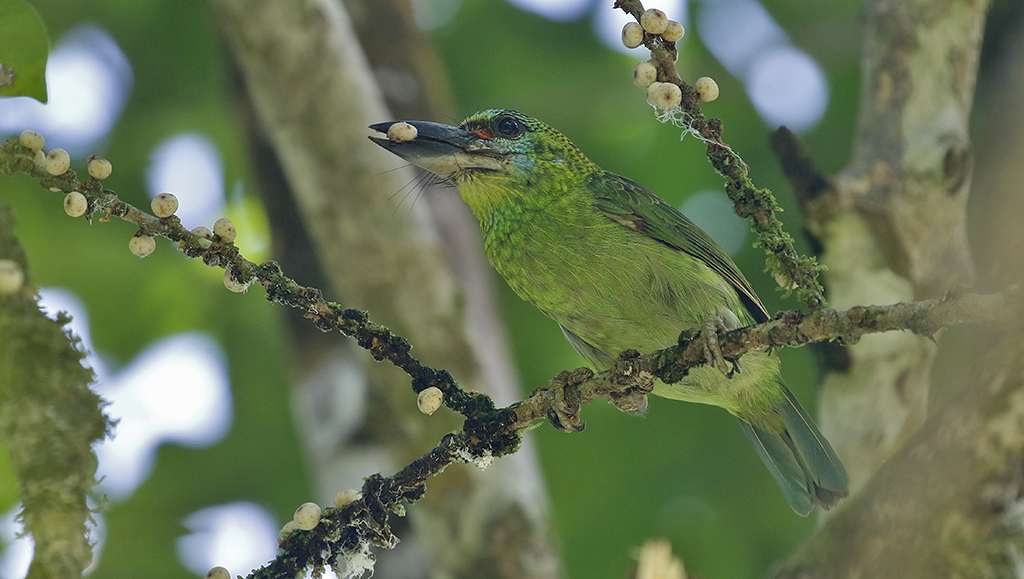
(800, 460)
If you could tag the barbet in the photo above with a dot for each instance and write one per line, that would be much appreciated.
(619, 268)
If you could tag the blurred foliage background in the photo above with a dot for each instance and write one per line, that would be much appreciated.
(683, 472)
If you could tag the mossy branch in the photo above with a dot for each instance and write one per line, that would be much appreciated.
(488, 431)
(799, 272)
(49, 420)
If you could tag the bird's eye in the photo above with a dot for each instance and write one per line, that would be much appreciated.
(508, 127)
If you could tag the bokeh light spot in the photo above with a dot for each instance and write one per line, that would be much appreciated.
(189, 166)
(785, 85)
(608, 25)
(177, 390)
(562, 10)
(238, 536)
(736, 31)
(788, 87)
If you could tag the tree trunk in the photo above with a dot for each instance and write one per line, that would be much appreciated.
(936, 490)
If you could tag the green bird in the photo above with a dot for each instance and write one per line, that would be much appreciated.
(619, 268)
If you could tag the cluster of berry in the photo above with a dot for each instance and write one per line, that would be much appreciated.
(664, 95)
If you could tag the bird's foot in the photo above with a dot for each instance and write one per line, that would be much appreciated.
(565, 415)
(713, 350)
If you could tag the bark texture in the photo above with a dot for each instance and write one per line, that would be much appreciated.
(893, 224)
(937, 490)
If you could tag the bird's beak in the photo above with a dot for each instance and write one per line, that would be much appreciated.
(444, 150)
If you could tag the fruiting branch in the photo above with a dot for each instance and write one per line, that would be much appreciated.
(682, 105)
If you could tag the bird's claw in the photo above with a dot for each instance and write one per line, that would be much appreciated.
(564, 415)
(565, 422)
(713, 350)
(736, 369)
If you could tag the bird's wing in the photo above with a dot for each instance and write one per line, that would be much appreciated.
(634, 206)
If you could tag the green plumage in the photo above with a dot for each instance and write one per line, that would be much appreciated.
(618, 268)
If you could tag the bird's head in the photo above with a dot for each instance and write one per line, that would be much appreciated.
(496, 157)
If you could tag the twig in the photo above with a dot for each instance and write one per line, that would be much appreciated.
(800, 272)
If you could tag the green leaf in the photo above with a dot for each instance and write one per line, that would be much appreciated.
(24, 46)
